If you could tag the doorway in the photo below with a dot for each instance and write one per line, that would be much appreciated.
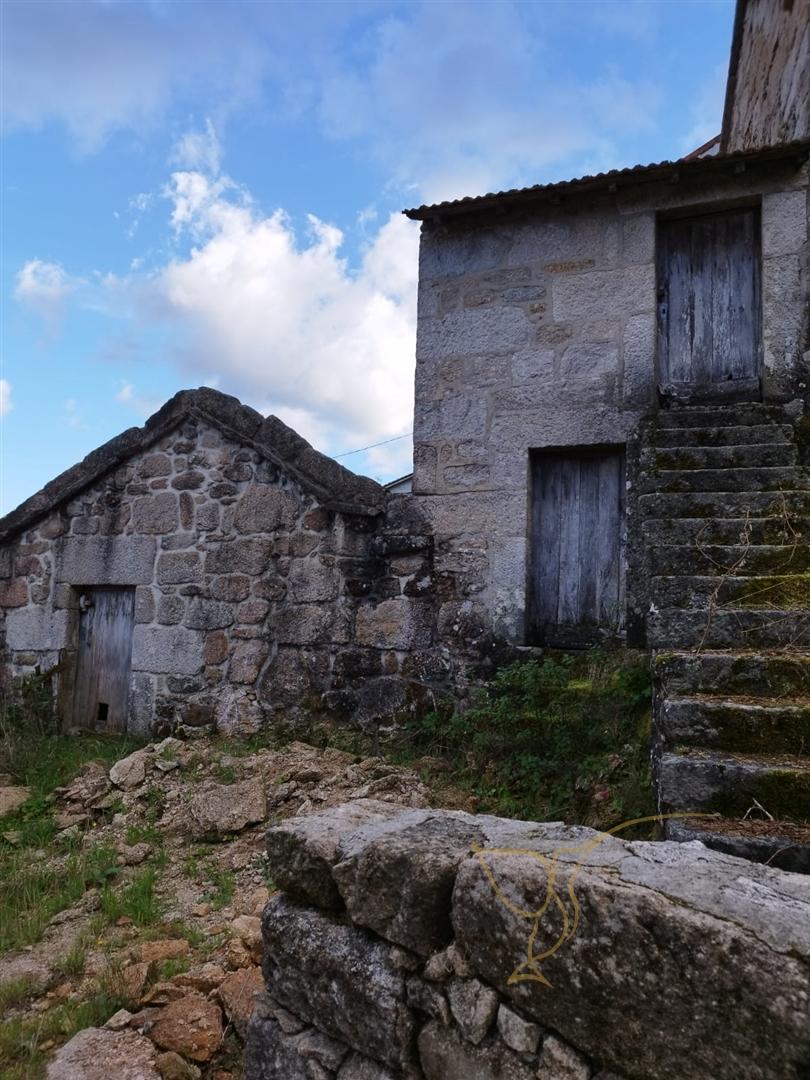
(577, 578)
(101, 689)
(709, 325)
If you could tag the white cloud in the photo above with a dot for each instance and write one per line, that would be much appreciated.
(285, 322)
(200, 150)
(125, 392)
(5, 397)
(100, 67)
(44, 287)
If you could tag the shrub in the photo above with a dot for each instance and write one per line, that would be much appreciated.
(565, 737)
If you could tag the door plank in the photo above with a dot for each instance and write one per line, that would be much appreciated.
(101, 693)
(568, 600)
(709, 319)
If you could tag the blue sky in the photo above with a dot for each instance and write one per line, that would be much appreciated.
(209, 192)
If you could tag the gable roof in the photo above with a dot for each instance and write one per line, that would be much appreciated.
(685, 168)
(333, 485)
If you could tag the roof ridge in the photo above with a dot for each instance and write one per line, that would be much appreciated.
(332, 483)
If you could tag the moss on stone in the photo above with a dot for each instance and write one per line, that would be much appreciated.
(784, 793)
(783, 592)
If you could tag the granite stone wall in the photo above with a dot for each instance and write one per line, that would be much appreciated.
(539, 330)
(254, 598)
(438, 945)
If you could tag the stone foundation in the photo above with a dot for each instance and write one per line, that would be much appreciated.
(400, 947)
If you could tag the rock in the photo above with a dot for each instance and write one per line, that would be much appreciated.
(520, 1035)
(24, 967)
(338, 977)
(474, 1007)
(134, 854)
(119, 1020)
(444, 1055)
(97, 1054)
(12, 796)
(303, 850)
(172, 1067)
(559, 1061)
(443, 965)
(664, 930)
(235, 954)
(204, 978)
(248, 928)
(428, 999)
(133, 979)
(315, 1046)
(358, 1067)
(66, 819)
(155, 952)
(130, 771)
(219, 809)
(271, 1053)
(191, 1026)
(237, 995)
(396, 876)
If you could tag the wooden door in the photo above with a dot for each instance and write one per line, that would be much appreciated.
(709, 306)
(577, 566)
(101, 692)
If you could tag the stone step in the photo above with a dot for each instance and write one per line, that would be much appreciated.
(774, 592)
(753, 674)
(724, 504)
(760, 530)
(676, 628)
(738, 559)
(690, 481)
(732, 784)
(714, 416)
(736, 435)
(737, 726)
(746, 456)
(782, 844)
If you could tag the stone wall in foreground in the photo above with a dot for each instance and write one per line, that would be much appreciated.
(400, 947)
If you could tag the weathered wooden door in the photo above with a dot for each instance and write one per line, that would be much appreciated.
(577, 567)
(101, 691)
(709, 306)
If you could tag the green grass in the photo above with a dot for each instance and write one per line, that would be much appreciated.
(224, 885)
(32, 890)
(16, 992)
(136, 901)
(22, 1038)
(71, 964)
(562, 738)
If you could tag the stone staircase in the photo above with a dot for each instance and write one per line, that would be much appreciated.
(725, 510)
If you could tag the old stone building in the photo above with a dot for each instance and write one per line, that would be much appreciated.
(210, 568)
(610, 444)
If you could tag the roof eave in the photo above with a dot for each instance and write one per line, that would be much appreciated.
(664, 172)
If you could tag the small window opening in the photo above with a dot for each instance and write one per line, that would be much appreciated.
(101, 716)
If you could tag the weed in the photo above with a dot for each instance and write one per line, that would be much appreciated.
(33, 890)
(224, 772)
(136, 901)
(224, 884)
(71, 965)
(16, 992)
(175, 966)
(562, 738)
(22, 1038)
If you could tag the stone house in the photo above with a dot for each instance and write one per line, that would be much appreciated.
(207, 569)
(610, 443)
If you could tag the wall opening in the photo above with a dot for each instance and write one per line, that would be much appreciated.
(577, 546)
(103, 659)
(709, 306)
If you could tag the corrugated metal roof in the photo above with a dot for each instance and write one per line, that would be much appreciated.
(634, 174)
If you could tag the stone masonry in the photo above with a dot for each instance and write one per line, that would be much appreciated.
(537, 329)
(398, 949)
(263, 578)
